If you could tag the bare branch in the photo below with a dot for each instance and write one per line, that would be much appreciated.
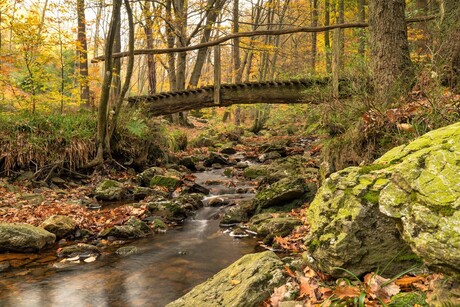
(251, 34)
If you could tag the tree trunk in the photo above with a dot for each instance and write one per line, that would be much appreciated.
(82, 51)
(236, 44)
(211, 18)
(314, 23)
(390, 60)
(342, 35)
(449, 54)
(327, 42)
(170, 42)
(148, 30)
(361, 33)
(102, 118)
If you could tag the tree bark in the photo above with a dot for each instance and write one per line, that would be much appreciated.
(170, 44)
(236, 44)
(102, 117)
(314, 23)
(390, 60)
(213, 13)
(148, 30)
(82, 51)
(342, 35)
(361, 33)
(327, 42)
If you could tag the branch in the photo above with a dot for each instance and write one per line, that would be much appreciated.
(251, 34)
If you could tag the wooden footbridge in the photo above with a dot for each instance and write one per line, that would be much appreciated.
(312, 91)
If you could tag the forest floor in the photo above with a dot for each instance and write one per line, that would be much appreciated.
(305, 287)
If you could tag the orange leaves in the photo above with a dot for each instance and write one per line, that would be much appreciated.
(346, 292)
(379, 287)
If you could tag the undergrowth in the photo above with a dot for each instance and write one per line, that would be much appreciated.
(360, 130)
(34, 141)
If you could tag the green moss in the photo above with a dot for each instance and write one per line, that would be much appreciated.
(157, 223)
(410, 257)
(409, 299)
(370, 168)
(372, 197)
(163, 181)
(313, 245)
(447, 210)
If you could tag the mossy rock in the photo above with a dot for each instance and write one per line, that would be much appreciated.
(147, 175)
(280, 193)
(109, 190)
(171, 183)
(273, 225)
(136, 223)
(255, 171)
(239, 213)
(60, 225)
(408, 200)
(24, 238)
(247, 282)
(78, 249)
(124, 231)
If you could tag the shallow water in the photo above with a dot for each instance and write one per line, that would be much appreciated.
(166, 267)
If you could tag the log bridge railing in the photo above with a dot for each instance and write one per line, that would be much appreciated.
(275, 92)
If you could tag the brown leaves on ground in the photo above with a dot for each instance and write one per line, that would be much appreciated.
(316, 289)
(14, 209)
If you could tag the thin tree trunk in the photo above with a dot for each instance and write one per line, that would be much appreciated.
(112, 123)
(148, 30)
(170, 43)
(102, 118)
(314, 23)
(342, 35)
(211, 18)
(236, 43)
(327, 42)
(361, 33)
(82, 51)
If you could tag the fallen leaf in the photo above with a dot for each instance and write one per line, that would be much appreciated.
(235, 282)
(346, 291)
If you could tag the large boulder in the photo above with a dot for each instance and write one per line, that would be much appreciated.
(281, 193)
(247, 282)
(23, 238)
(386, 215)
(109, 189)
(60, 225)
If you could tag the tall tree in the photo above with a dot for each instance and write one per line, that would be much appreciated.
(82, 51)
(361, 33)
(214, 9)
(148, 30)
(314, 23)
(390, 60)
(327, 41)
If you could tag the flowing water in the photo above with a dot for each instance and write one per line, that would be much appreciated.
(166, 267)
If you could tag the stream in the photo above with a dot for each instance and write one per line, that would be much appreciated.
(166, 267)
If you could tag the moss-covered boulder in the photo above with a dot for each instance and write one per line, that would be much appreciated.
(169, 182)
(281, 193)
(136, 223)
(365, 218)
(247, 282)
(23, 238)
(123, 231)
(109, 189)
(77, 250)
(147, 175)
(271, 225)
(60, 225)
(239, 213)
